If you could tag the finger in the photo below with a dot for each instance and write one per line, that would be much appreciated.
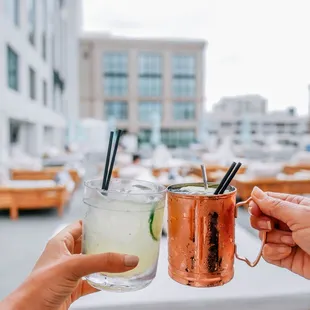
(276, 252)
(78, 246)
(79, 266)
(291, 198)
(254, 209)
(279, 237)
(287, 212)
(75, 230)
(261, 223)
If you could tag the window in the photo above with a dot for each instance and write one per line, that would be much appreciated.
(32, 84)
(31, 20)
(178, 137)
(12, 69)
(183, 75)
(170, 137)
(150, 75)
(44, 93)
(44, 27)
(115, 68)
(116, 109)
(147, 109)
(184, 110)
(13, 10)
(15, 129)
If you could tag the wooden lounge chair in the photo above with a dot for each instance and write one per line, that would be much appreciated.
(44, 174)
(32, 197)
(289, 186)
(6, 202)
(292, 169)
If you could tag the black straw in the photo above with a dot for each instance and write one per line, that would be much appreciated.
(217, 191)
(113, 159)
(107, 161)
(232, 175)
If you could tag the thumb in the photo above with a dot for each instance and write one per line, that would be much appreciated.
(82, 265)
(287, 212)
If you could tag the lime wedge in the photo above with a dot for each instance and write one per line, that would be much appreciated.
(156, 222)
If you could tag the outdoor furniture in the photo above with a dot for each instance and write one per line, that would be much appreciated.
(290, 186)
(18, 195)
(6, 202)
(44, 174)
(291, 169)
(214, 169)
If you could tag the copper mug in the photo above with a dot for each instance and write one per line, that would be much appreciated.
(201, 236)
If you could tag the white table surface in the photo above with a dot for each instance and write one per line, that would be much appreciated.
(262, 287)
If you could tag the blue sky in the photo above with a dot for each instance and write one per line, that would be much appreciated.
(255, 46)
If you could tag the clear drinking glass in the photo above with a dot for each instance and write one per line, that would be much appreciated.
(125, 219)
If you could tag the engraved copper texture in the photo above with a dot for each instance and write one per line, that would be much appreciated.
(201, 237)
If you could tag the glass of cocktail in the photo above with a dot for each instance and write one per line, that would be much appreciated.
(127, 218)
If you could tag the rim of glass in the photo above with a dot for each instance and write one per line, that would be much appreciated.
(161, 188)
(170, 189)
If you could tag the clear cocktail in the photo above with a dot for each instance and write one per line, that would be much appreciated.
(125, 219)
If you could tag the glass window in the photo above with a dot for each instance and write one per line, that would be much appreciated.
(184, 65)
(145, 136)
(183, 87)
(150, 87)
(12, 69)
(178, 137)
(13, 10)
(150, 64)
(31, 20)
(32, 83)
(184, 76)
(115, 68)
(44, 91)
(150, 74)
(44, 27)
(116, 109)
(147, 109)
(184, 110)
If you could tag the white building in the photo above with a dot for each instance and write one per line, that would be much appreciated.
(249, 126)
(39, 73)
(236, 105)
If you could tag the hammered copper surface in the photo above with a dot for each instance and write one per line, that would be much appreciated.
(201, 238)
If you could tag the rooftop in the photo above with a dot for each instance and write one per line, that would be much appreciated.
(106, 36)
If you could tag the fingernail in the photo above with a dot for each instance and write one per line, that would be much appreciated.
(288, 240)
(264, 224)
(282, 249)
(131, 260)
(258, 193)
(250, 210)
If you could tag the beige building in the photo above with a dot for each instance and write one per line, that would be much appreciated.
(132, 80)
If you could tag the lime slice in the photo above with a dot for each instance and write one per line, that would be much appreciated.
(156, 222)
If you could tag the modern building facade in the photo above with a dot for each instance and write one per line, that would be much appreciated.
(39, 73)
(285, 126)
(244, 104)
(135, 81)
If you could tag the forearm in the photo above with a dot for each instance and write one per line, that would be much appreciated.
(23, 298)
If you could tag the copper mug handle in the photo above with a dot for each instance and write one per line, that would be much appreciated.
(264, 237)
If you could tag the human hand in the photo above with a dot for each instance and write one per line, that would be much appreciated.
(55, 282)
(286, 218)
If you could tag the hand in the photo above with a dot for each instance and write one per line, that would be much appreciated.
(286, 218)
(55, 282)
